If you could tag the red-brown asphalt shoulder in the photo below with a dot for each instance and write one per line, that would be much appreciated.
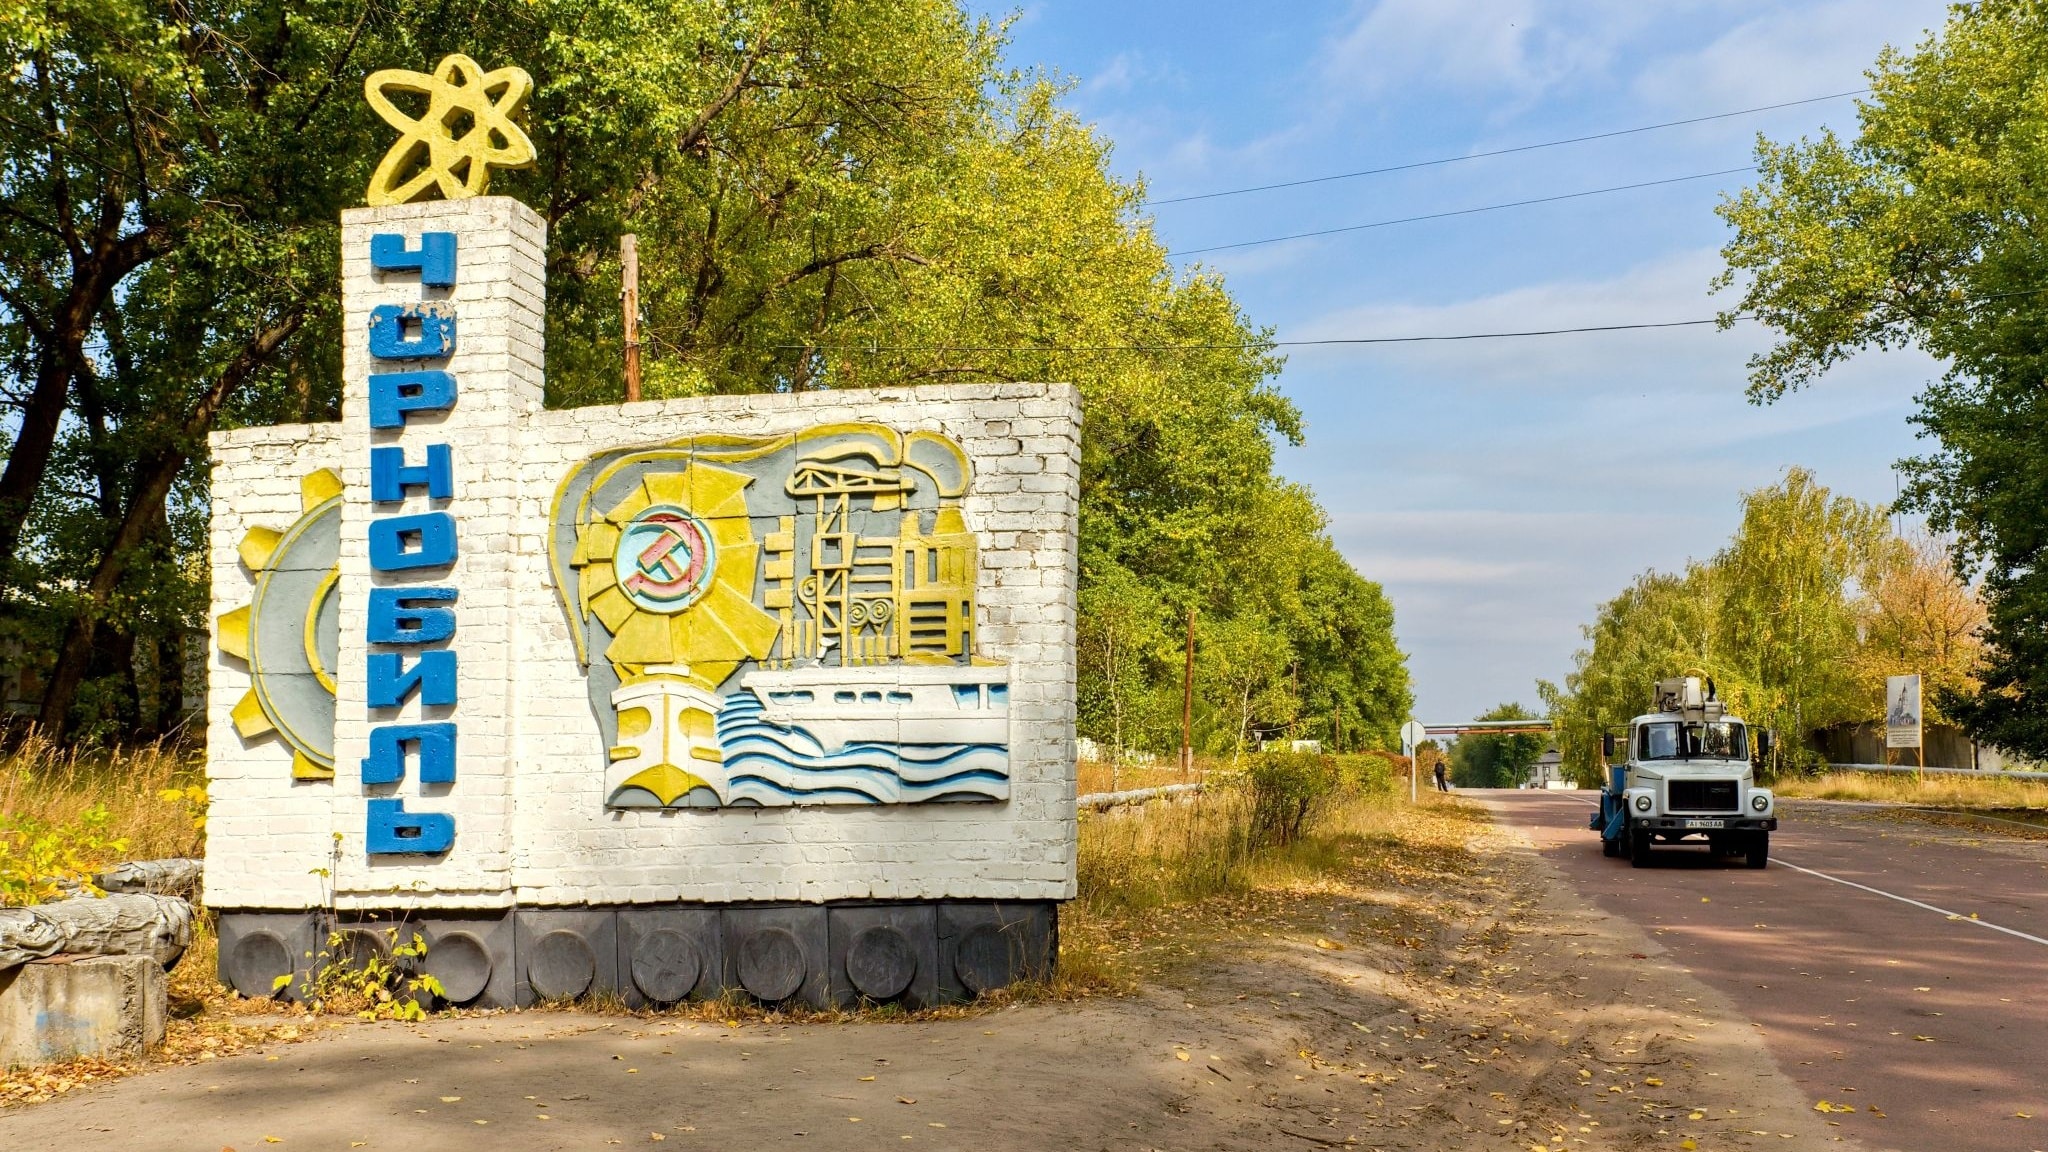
(1934, 1029)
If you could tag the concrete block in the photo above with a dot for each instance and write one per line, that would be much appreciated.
(258, 947)
(471, 956)
(986, 946)
(884, 954)
(778, 954)
(667, 955)
(67, 1007)
(565, 954)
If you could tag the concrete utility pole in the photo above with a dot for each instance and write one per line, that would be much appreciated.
(1187, 705)
(629, 304)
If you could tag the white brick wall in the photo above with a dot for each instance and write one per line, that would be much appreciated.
(268, 831)
(532, 828)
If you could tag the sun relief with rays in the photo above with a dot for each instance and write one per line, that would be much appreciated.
(290, 632)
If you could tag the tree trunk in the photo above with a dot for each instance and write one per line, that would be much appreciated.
(145, 511)
(95, 273)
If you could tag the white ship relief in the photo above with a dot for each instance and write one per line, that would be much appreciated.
(903, 704)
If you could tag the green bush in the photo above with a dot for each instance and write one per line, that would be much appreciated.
(1366, 773)
(1288, 790)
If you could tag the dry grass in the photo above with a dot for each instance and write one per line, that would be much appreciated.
(1159, 881)
(56, 787)
(1986, 792)
(1093, 776)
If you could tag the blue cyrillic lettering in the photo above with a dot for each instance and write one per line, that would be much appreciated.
(390, 681)
(386, 761)
(394, 395)
(393, 831)
(390, 475)
(434, 259)
(396, 615)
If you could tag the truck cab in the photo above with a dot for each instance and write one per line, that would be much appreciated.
(1683, 773)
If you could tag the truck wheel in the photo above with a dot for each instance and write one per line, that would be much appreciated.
(1610, 847)
(1759, 850)
(1639, 848)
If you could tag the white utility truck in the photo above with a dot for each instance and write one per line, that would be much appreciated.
(1685, 773)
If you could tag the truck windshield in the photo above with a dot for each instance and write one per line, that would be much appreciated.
(1671, 740)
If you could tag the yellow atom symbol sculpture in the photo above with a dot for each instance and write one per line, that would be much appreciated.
(466, 131)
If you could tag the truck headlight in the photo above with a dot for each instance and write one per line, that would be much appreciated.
(1643, 803)
(1759, 802)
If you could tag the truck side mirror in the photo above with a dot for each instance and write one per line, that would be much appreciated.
(1763, 744)
(1607, 745)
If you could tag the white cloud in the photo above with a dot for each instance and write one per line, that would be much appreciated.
(1518, 48)
(1788, 52)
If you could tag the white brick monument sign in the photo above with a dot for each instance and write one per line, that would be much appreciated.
(769, 692)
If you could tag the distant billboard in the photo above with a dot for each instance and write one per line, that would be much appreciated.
(1902, 712)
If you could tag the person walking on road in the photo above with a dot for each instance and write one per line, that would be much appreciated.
(1441, 784)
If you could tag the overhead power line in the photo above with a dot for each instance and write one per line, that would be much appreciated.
(1247, 345)
(1466, 211)
(1497, 151)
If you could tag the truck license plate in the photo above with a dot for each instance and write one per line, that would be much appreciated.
(1706, 823)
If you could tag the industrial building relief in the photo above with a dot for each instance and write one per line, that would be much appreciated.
(782, 620)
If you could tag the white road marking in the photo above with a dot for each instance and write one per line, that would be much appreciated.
(1956, 916)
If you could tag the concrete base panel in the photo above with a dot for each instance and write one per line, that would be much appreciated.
(668, 955)
(778, 953)
(914, 953)
(565, 953)
(884, 954)
(258, 947)
(472, 957)
(63, 1008)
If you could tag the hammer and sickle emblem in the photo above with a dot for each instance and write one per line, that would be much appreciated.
(466, 131)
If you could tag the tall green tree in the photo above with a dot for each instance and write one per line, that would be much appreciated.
(827, 196)
(1924, 229)
(1780, 619)
(1483, 761)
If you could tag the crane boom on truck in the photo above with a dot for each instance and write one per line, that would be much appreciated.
(1684, 774)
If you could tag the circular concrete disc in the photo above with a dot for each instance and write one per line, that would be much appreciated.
(666, 967)
(461, 963)
(256, 962)
(982, 960)
(881, 962)
(771, 964)
(562, 966)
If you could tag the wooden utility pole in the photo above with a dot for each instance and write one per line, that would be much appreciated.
(1187, 705)
(629, 304)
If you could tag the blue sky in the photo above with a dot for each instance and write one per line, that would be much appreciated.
(1499, 490)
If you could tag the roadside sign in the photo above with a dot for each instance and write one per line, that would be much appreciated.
(1413, 734)
(1902, 711)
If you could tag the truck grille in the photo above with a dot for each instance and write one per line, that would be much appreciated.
(1703, 796)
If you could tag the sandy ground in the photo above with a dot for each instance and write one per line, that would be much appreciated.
(1498, 1012)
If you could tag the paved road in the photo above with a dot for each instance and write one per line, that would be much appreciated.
(1934, 1028)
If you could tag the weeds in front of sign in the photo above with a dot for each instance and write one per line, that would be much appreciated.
(68, 814)
(40, 861)
(354, 975)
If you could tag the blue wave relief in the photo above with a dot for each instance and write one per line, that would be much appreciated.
(771, 765)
